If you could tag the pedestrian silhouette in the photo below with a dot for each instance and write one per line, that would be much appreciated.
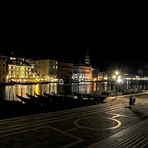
(132, 101)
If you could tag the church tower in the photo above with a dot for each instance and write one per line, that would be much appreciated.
(87, 59)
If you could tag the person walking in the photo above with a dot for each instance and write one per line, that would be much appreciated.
(132, 101)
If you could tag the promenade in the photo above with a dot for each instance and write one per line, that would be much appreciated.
(135, 136)
(109, 124)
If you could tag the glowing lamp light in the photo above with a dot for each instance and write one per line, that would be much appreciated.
(119, 80)
(105, 78)
(94, 79)
(117, 73)
(114, 77)
(119, 77)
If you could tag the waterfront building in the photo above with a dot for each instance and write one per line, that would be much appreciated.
(15, 69)
(82, 73)
(103, 76)
(82, 78)
(47, 69)
(19, 70)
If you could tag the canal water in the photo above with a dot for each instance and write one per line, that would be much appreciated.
(9, 92)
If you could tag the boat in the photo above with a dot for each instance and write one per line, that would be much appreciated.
(40, 96)
(31, 96)
(55, 98)
(48, 95)
(26, 100)
(99, 97)
(51, 95)
(62, 98)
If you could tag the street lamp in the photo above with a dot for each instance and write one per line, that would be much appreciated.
(116, 73)
(117, 79)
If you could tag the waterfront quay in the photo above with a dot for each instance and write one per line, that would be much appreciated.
(109, 124)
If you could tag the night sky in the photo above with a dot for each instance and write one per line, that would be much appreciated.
(37, 36)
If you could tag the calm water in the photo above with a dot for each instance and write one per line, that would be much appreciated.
(9, 92)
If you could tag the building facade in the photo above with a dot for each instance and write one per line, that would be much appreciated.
(82, 73)
(20, 71)
(103, 76)
(46, 70)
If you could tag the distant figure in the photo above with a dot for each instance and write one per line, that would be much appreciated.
(132, 101)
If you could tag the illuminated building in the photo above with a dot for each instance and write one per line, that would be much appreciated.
(14, 69)
(102, 76)
(19, 70)
(47, 70)
(3, 69)
(82, 73)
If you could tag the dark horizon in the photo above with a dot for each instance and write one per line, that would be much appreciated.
(33, 37)
(99, 59)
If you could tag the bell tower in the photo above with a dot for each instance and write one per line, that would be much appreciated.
(87, 58)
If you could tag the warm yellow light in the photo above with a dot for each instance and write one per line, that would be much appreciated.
(12, 58)
(119, 77)
(117, 73)
(114, 76)
(105, 78)
(119, 80)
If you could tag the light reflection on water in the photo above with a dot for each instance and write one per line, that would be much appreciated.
(9, 92)
(83, 87)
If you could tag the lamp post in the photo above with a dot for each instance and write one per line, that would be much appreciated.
(117, 79)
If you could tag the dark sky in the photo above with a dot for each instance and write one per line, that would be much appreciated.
(37, 36)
